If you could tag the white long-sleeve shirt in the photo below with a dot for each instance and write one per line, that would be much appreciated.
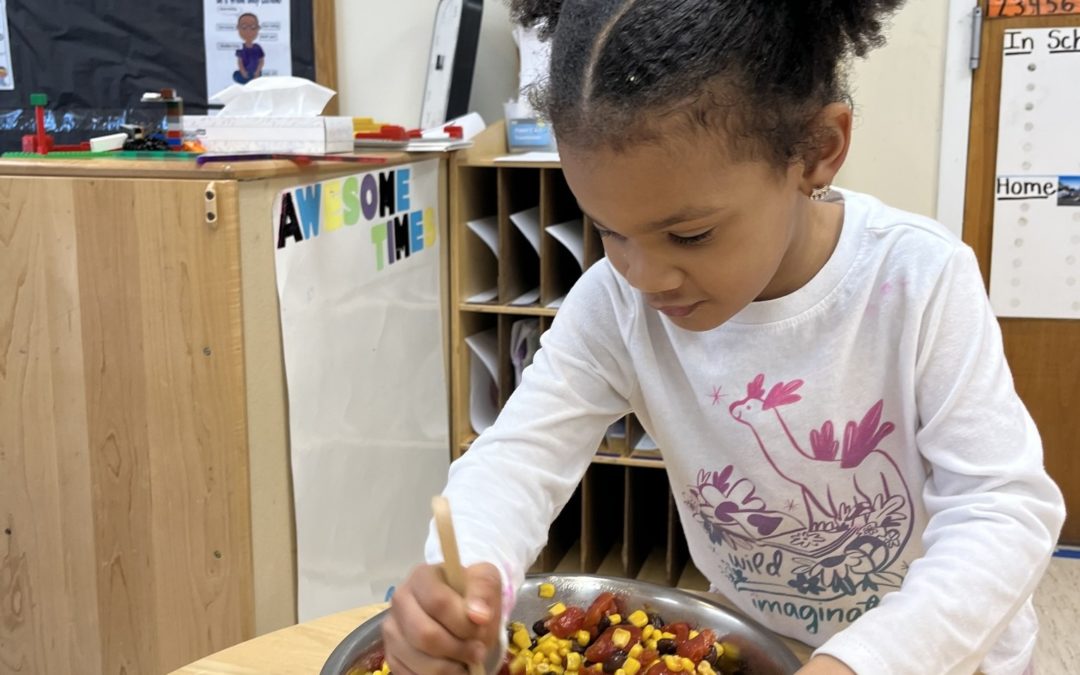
(852, 465)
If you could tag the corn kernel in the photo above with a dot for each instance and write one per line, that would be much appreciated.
(673, 663)
(704, 668)
(687, 665)
(647, 631)
(583, 638)
(546, 638)
(666, 636)
(563, 651)
(573, 661)
(650, 644)
(539, 657)
(543, 668)
(556, 669)
(517, 666)
(515, 626)
(385, 668)
(522, 639)
(636, 650)
(620, 638)
(615, 618)
(638, 618)
(632, 666)
(693, 634)
(547, 590)
(598, 668)
(620, 671)
(556, 609)
(730, 650)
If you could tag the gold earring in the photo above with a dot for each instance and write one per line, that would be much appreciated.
(820, 193)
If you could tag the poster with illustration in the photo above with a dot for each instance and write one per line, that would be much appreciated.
(246, 39)
(7, 79)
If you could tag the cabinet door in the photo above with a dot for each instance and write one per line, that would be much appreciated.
(123, 455)
(1044, 353)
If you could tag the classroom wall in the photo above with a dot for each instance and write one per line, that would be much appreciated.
(899, 91)
(383, 51)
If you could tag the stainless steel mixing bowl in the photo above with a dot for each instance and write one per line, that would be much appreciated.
(762, 652)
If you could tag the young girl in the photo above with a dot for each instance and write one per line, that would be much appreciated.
(823, 372)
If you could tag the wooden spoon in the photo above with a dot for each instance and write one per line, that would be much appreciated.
(452, 569)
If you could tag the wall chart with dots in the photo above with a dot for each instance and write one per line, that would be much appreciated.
(1035, 265)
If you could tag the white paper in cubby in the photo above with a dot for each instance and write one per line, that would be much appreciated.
(1035, 264)
(488, 231)
(571, 234)
(528, 222)
(484, 378)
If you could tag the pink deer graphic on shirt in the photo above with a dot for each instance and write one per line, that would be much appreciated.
(852, 490)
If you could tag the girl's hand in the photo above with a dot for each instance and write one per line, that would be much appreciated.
(432, 630)
(825, 665)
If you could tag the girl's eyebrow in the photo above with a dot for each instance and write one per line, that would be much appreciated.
(685, 215)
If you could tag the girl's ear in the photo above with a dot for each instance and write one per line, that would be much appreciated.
(832, 139)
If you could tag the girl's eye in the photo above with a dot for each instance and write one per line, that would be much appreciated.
(691, 241)
(604, 234)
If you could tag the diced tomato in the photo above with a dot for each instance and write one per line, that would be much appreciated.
(505, 670)
(658, 668)
(695, 649)
(373, 660)
(648, 656)
(601, 607)
(568, 623)
(604, 647)
(680, 630)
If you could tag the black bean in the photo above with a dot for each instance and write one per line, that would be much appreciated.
(577, 647)
(604, 624)
(615, 661)
(667, 646)
(656, 620)
(540, 628)
(533, 645)
(713, 658)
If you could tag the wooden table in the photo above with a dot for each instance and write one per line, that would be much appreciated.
(298, 650)
(303, 649)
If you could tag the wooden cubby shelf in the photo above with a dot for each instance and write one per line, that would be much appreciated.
(518, 244)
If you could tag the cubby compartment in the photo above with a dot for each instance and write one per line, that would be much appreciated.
(478, 208)
(519, 237)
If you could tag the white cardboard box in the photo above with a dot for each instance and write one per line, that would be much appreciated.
(301, 135)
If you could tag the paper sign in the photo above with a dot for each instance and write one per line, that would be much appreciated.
(245, 39)
(1009, 9)
(7, 76)
(358, 277)
(1035, 261)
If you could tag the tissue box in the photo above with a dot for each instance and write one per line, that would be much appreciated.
(299, 135)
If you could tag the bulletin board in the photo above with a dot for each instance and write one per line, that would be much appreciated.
(1035, 260)
(95, 58)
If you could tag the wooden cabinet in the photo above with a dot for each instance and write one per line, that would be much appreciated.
(144, 468)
